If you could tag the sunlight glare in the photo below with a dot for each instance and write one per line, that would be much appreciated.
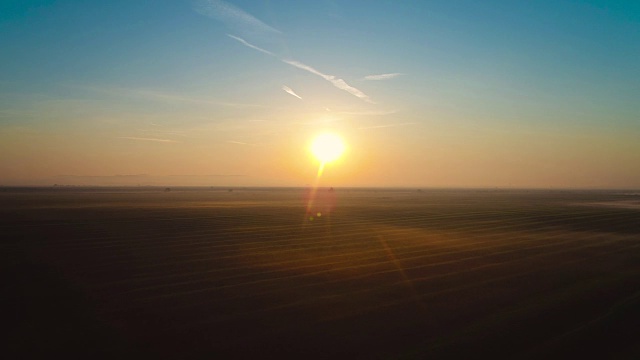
(327, 147)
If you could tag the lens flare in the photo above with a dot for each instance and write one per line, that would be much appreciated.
(326, 148)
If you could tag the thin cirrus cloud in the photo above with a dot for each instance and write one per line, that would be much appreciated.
(162, 132)
(385, 126)
(382, 76)
(289, 91)
(232, 16)
(366, 112)
(160, 96)
(147, 139)
(240, 143)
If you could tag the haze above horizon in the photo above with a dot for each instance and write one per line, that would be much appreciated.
(232, 93)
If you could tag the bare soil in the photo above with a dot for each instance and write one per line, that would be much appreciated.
(358, 273)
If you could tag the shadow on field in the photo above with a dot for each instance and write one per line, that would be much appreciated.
(47, 316)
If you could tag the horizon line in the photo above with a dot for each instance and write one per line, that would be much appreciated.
(363, 187)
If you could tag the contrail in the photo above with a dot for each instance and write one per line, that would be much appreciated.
(242, 41)
(230, 14)
(289, 91)
(382, 76)
(339, 83)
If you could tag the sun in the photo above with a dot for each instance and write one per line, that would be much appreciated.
(327, 147)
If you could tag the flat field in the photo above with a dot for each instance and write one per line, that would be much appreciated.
(358, 273)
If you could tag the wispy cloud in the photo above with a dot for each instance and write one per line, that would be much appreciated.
(147, 139)
(319, 121)
(289, 91)
(231, 15)
(206, 176)
(143, 179)
(337, 82)
(153, 131)
(382, 76)
(385, 126)
(104, 176)
(366, 112)
(160, 96)
(240, 143)
(245, 43)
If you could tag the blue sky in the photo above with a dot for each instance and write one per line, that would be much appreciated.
(425, 93)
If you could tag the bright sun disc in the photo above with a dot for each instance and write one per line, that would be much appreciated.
(327, 147)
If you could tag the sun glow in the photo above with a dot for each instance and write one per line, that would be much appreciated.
(327, 147)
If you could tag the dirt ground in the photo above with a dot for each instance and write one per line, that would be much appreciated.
(344, 273)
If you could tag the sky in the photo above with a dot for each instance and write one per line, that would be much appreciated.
(506, 94)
